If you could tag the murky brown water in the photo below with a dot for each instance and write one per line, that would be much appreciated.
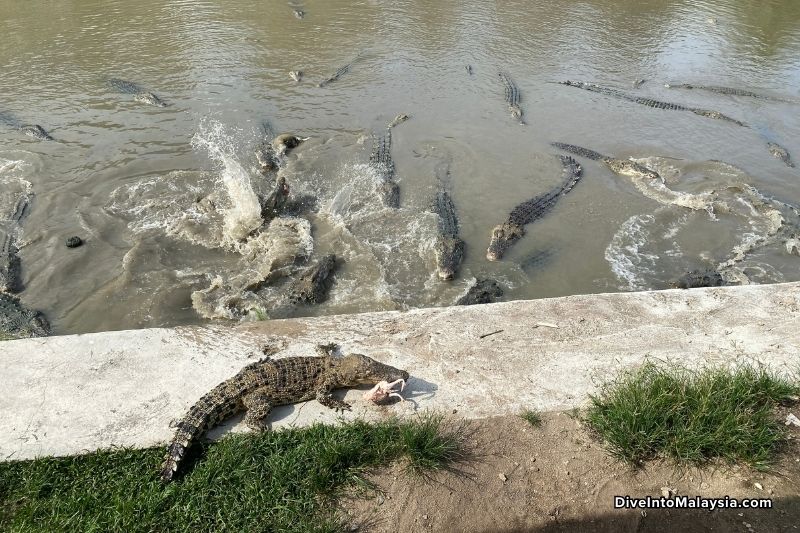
(126, 176)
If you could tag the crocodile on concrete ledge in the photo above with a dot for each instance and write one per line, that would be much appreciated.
(512, 230)
(267, 383)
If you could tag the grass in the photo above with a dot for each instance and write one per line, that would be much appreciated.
(272, 481)
(532, 417)
(692, 417)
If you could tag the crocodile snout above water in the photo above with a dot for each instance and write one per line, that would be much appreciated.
(139, 94)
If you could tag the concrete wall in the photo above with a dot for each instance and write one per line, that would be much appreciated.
(70, 394)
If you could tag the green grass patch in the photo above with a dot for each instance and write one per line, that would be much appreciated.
(692, 417)
(532, 417)
(272, 481)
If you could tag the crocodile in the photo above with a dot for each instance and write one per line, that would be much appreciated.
(36, 131)
(484, 291)
(779, 152)
(313, 284)
(10, 268)
(275, 202)
(139, 94)
(381, 161)
(624, 167)
(336, 75)
(31, 130)
(272, 148)
(299, 13)
(699, 278)
(448, 247)
(724, 90)
(649, 102)
(17, 321)
(399, 119)
(267, 383)
(512, 96)
(510, 231)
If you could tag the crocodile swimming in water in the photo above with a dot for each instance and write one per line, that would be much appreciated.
(449, 247)
(381, 161)
(725, 90)
(779, 152)
(649, 102)
(512, 230)
(10, 268)
(139, 94)
(275, 202)
(19, 322)
(699, 278)
(341, 71)
(624, 167)
(268, 383)
(31, 130)
(483, 291)
(313, 284)
(512, 96)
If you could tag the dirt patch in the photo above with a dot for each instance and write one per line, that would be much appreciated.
(558, 478)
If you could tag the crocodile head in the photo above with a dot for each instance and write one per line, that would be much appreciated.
(150, 98)
(449, 251)
(503, 236)
(356, 369)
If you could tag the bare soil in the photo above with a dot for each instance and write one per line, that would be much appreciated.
(560, 478)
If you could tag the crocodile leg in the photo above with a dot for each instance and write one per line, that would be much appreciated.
(325, 397)
(258, 407)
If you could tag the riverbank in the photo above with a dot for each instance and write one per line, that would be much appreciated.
(71, 394)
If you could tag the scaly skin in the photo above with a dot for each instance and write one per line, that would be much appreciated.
(649, 102)
(267, 383)
(699, 278)
(313, 284)
(449, 247)
(506, 234)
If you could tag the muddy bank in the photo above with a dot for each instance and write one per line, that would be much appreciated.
(559, 478)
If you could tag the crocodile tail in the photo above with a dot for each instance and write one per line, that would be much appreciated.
(208, 411)
(572, 173)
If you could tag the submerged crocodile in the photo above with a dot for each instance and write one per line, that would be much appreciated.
(313, 284)
(31, 130)
(381, 161)
(649, 102)
(699, 278)
(484, 291)
(336, 75)
(10, 269)
(512, 230)
(139, 94)
(779, 152)
(17, 321)
(449, 247)
(267, 383)
(724, 90)
(512, 96)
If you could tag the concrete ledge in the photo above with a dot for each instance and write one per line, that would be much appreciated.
(70, 394)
